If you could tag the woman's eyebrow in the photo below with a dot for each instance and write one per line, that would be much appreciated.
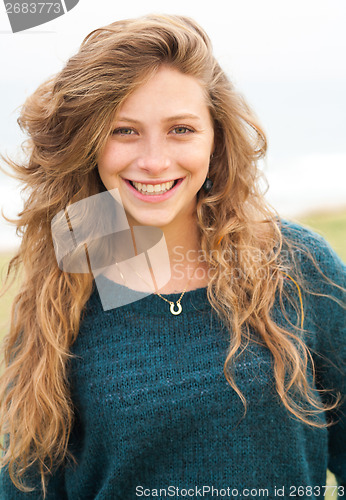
(168, 119)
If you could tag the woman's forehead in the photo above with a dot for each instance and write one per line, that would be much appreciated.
(168, 93)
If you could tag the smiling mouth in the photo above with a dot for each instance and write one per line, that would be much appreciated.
(153, 189)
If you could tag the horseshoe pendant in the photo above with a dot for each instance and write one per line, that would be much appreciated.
(179, 308)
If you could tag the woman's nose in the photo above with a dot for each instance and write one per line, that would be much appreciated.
(153, 158)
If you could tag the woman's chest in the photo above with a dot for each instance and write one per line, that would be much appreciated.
(124, 371)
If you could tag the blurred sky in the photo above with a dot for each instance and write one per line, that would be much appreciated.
(287, 58)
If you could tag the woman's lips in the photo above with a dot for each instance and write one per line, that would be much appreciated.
(154, 198)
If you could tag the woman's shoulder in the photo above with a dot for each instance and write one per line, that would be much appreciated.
(322, 278)
(299, 233)
(310, 249)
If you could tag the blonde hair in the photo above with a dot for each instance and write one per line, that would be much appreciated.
(68, 120)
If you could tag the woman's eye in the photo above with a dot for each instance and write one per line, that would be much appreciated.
(182, 130)
(123, 131)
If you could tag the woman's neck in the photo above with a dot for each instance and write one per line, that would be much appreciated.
(186, 266)
(182, 269)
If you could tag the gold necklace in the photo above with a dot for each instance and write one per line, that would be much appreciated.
(172, 304)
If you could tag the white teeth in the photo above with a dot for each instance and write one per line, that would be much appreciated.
(153, 188)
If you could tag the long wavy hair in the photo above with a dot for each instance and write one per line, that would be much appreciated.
(68, 120)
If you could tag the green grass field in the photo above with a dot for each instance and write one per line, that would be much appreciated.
(6, 300)
(331, 226)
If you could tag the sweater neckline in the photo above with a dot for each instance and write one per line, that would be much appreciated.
(192, 300)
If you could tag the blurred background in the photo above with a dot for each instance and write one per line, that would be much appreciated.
(288, 59)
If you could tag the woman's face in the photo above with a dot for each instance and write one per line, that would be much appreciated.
(159, 151)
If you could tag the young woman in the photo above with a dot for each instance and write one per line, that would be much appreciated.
(217, 374)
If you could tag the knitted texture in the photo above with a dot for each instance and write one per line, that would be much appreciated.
(154, 410)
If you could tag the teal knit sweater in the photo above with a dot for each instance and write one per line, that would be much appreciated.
(154, 411)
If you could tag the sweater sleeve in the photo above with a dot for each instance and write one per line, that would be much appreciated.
(329, 318)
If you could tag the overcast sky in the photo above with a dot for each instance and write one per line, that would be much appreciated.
(288, 58)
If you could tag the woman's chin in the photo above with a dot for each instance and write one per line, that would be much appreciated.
(141, 220)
